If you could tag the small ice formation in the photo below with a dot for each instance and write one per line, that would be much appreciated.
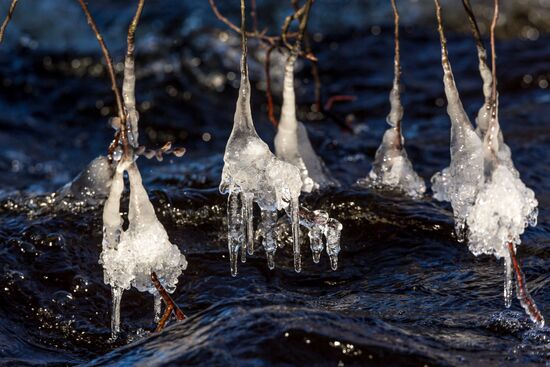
(459, 183)
(392, 169)
(92, 185)
(130, 256)
(292, 142)
(253, 174)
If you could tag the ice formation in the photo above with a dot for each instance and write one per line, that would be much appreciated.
(292, 142)
(130, 256)
(392, 168)
(490, 202)
(140, 256)
(91, 186)
(459, 183)
(253, 174)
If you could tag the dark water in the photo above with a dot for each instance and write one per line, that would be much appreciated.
(406, 292)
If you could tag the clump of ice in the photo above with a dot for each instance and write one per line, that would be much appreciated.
(502, 210)
(130, 256)
(253, 174)
(392, 169)
(292, 141)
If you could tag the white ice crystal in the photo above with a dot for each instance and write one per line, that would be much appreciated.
(459, 183)
(392, 168)
(130, 256)
(253, 174)
(292, 141)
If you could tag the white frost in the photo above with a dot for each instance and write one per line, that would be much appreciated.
(292, 141)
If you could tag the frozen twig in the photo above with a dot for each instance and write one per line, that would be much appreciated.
(493, 56)
(7, 20)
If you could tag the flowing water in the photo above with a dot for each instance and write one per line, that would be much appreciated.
(406, 292)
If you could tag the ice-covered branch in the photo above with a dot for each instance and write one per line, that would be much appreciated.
(392, 168)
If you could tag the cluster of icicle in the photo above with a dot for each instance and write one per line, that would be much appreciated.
(292, 143)
(392, 169)
(130, 256)
(491, 205)
(253, 174)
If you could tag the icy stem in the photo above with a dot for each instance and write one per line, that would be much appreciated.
(392, 168)
(115, 315)
(292, 142)
(316, 243)
(460, 182)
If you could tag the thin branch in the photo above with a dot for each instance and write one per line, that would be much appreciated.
(523, 293)
(111, 72)
(254, 16)
(493, 54)
(473, 23)
(269, 96)
(7, 20)
(170, 304)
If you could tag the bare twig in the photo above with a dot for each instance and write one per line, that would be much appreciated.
(111, 71)
(254, 16)
(493, 54)
(269, 96)
(7, 20)
(171, 306)
(473, 23)
(523, 293)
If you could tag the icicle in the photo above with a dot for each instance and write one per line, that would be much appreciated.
(295, 223)
(234, 230)
(157, 307)
(267, 225)
(508, 282)
(333, 231)
(316, 243)
(115, 316)
(248, 215)
(292, 142)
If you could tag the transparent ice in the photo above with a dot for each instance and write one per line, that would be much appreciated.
(292, 141)
(252, 174)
